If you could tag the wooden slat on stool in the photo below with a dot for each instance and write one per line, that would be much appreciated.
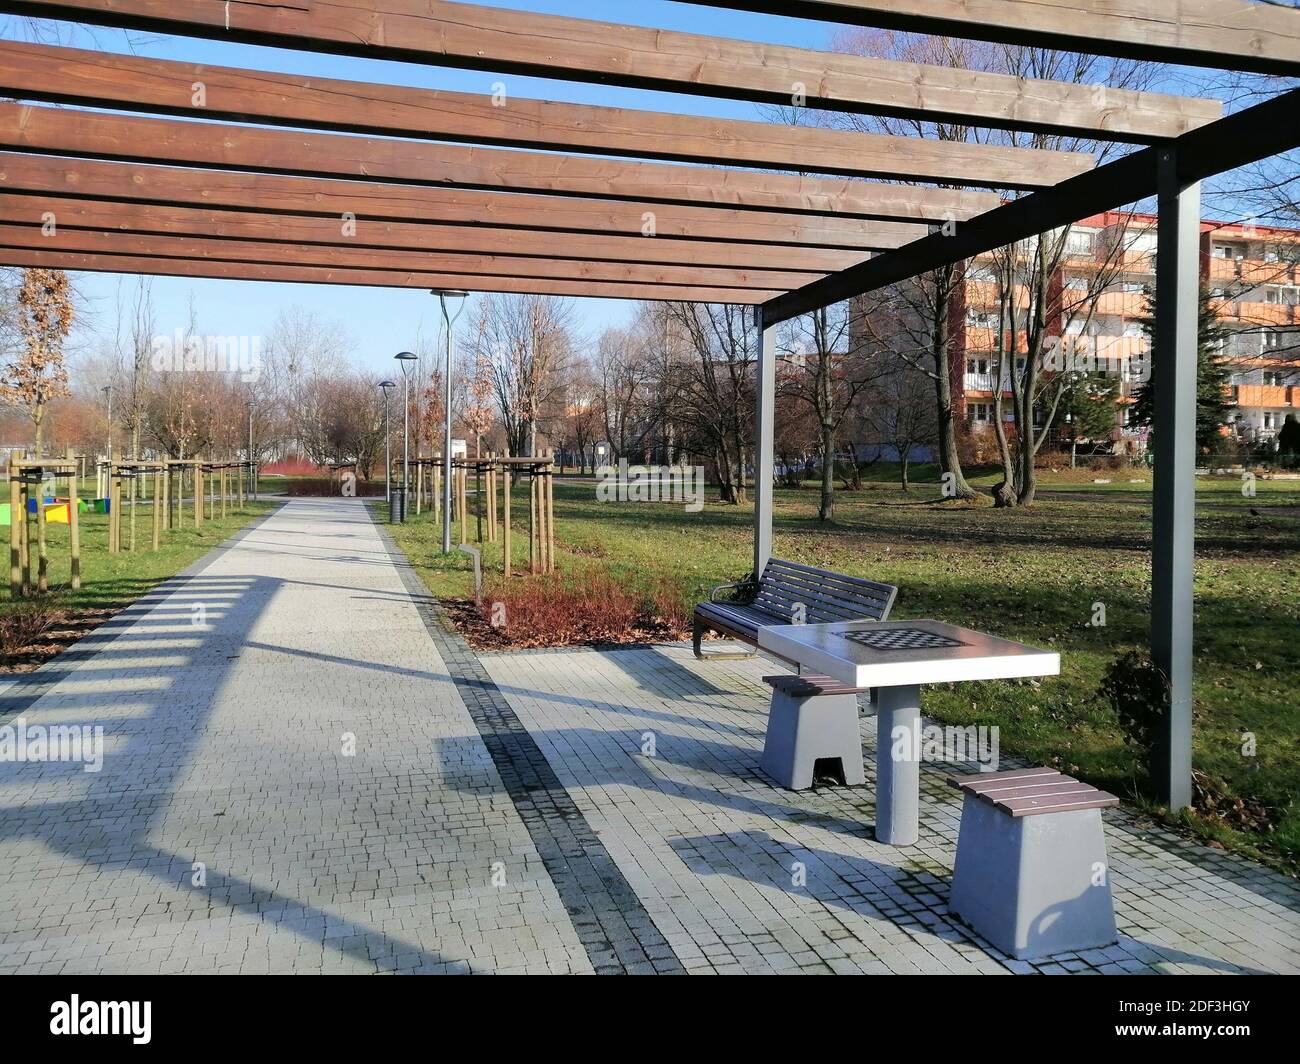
(1033, 791)
(810, 684)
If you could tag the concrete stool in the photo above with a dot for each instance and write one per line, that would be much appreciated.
(1031, 873)
(813, 718)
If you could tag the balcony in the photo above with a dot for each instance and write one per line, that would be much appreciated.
(980, 340)
(1265, 395)
(1122, 304)
(1223, 270)
(981, 385)
(1258, 313)
(1254, 272)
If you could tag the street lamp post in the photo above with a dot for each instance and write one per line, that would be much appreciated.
(457, 299)
(405, 360)
(252, 466)
(388, 439)
(108, 392)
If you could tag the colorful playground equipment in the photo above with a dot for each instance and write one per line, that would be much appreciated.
(28, 481)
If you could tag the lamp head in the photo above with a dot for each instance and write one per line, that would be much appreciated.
(404, 359)
(453, 297)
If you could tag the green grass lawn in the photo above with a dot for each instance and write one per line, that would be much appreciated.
(1033, 574)
(111, 581)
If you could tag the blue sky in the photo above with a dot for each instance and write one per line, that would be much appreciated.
(383, 321)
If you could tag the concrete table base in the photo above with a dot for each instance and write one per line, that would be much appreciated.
(803, 731)
(1033, 885)
(898, 768)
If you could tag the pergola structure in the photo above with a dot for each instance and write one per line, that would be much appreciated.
(368, 184)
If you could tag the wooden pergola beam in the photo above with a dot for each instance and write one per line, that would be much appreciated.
(160, 267)
(278, 194)
(552, 46)
(297, 231)
(1227, 34)
(198, 247)
(97, 79)
(91, 134)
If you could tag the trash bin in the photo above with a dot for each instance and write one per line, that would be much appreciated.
(397, 506)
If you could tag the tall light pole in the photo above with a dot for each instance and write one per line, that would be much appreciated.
(457, 300)
(252, 467)
(387, 386)
(406, 360)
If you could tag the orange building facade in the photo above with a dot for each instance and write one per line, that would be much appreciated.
(1252, 273)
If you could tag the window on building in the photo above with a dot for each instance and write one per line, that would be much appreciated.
(1080, 243)
(1272, 379)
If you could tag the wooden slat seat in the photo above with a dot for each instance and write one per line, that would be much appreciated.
(1034, 791)
(809, 685)
(791, 593)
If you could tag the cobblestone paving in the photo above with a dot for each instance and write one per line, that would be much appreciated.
(550, 811)
(224, 745)
(709, 843)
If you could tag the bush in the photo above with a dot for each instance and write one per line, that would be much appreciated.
(565, 610)
(21, 625)
(1138, 692)
(323, 486)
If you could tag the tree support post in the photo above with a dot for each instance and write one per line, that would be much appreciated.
(74, 537)
(157, 505)
(15, 530)
(505, 504)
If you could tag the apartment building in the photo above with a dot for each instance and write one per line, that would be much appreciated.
(1253, 274)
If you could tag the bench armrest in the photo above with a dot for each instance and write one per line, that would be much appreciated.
(747, 584)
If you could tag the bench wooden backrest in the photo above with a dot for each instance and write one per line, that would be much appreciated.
(825, 596)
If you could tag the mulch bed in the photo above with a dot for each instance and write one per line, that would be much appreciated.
(590, 631)
(38, 637)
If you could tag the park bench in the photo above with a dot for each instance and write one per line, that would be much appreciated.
(788, 593)
(1031, 874)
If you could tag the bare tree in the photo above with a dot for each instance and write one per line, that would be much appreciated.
(626, 376)
(824, 368)
(716, 397)
(527, 341)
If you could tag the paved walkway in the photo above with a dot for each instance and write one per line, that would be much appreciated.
(225, 748)
(305, 771)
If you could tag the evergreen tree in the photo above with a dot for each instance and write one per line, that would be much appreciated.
(1088, 400)
(1212, 376)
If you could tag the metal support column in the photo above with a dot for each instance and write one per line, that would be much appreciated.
(764, 437)
(1173, 530)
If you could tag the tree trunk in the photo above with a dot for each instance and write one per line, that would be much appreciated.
(949, 457)
(903, 457)
(826, 509)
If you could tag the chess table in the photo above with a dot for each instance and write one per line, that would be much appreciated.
(895, 659)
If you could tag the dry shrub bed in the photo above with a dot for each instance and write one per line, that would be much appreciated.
(562, 610)
(318, 487)
(31, 634)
